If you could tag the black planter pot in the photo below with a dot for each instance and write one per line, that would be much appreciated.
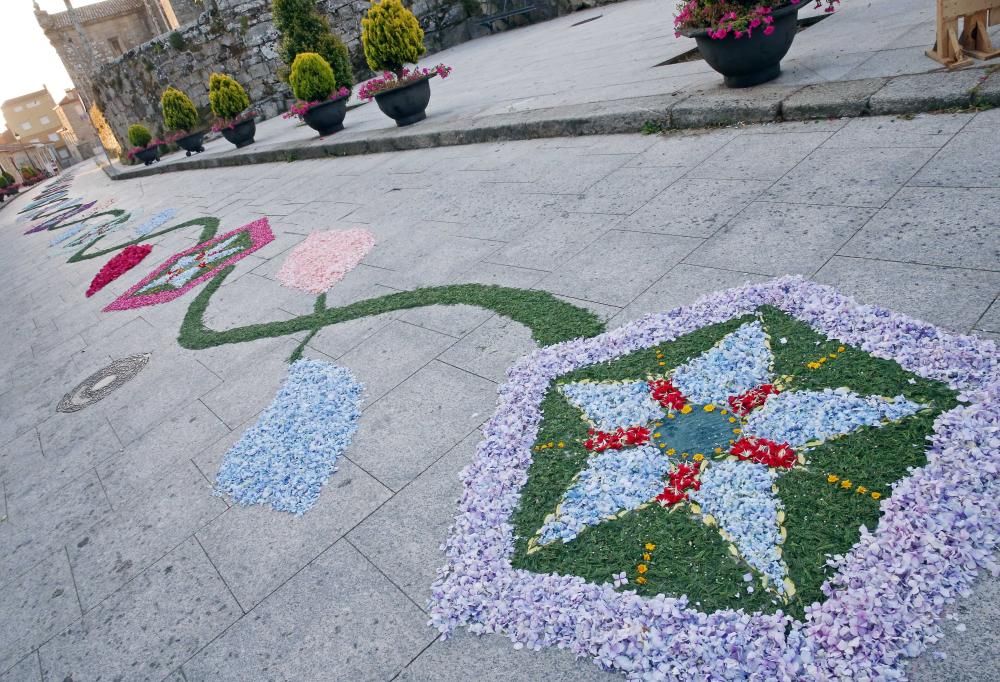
(327, 118)
(407, 104)
(750, 61)
(242, 133)
(149, 155)
(192, 144)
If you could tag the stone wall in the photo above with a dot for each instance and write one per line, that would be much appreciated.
(181, 12)
(238, 37)
(102, 42)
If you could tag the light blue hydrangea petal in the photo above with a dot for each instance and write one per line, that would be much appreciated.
(614, 481)
(798, 417)
(609, 405)
(155, 221)
(740, 497)
(286, 457)
(740, 361)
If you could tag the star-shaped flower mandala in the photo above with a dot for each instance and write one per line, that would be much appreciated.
(712, 436)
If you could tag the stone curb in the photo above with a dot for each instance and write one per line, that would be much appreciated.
(696, 108)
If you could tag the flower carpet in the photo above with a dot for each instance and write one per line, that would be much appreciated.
(286, 457)
(195, 265)
(742, 485)
(772, 480)
(323, 258)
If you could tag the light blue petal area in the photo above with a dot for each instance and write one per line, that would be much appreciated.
(740, 497)
(741, 361)
(67, 233)
(612, 404)
(798, 417)
(614, 481)
(155, 221)
(286, 457)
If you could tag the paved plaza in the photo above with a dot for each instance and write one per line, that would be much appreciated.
(549, 77)
(117, 562)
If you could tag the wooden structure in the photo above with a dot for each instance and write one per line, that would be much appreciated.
(952, 48)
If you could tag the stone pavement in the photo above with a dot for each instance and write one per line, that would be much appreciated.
(116, 562)
(564, 77)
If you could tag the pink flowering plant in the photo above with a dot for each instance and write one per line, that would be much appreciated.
(230, 123)
(736, 18)
(389, 80)
(300, 109)
(156, 142)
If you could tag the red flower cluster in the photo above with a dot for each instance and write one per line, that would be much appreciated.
(600, 441)
(743, 404)
(664, 393)
(764, 452)
(118, 266)
(682, 479)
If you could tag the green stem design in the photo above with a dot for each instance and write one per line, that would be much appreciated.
(319, 307)
(549, 319)
(209, 227)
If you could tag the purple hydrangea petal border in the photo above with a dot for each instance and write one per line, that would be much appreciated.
(938, 529)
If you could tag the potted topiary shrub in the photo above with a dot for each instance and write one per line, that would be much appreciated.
(321, 105)
(181, 117)
(392, 37)
(230, 103)
(144, 147)
(304, 29)
(744, 40)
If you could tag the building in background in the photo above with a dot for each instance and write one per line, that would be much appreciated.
(77, 131)
(33, 120)
(14, 157)
(89, 36)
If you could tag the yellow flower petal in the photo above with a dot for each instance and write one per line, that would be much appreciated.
(832, 478)
(650, 546)
(876, 496)
(641, 568)
(709, 408)
(686, 409)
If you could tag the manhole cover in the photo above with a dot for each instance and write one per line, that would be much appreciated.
(102, 382)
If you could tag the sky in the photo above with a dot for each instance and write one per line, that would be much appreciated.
(31, 59)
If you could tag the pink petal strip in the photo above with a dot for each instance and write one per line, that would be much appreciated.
(324, 258)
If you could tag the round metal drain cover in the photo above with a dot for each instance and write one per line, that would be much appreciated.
(102, 382)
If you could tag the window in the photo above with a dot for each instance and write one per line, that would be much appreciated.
(26, 125)
(53, 137)
(115, 45)
(18, 108)
(32, 105)
(45, 120)
(63, 153)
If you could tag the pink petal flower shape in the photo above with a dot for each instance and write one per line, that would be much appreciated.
(324, 258)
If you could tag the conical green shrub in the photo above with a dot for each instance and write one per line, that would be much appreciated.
(304, 29)
(391, 36)
(227, 97)
(179, 112)
(312, 79)
(139, 135)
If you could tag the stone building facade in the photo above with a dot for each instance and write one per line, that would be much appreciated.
(77, 131)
